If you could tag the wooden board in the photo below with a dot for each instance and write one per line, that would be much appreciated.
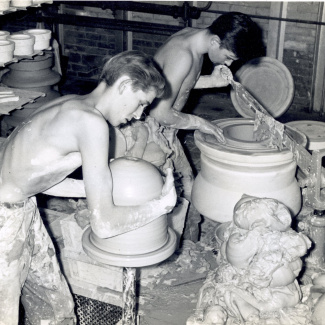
(25, 97)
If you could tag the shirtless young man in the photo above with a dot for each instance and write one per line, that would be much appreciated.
(39, 155)
(232, 36)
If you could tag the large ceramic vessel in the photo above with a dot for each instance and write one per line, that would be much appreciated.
(242, 166)
(135, 181)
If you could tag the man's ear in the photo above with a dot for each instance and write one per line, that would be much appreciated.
(124, 82)
(215, 40)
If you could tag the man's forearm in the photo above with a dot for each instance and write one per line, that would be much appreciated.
(127, 218)
(205, 82)
(214, 80)
(184, 121)
(68, 188)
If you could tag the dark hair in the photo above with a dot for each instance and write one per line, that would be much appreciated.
(239, 34)
(141, 68)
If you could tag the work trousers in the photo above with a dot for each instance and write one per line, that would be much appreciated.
(184, 180)
(29, 269)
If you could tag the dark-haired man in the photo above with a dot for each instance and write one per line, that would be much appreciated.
(37, 157)
(231, 36)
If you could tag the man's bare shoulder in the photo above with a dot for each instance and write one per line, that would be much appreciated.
(177, 52)
(183, 33)
(80, 106)
(174, 58)
(67, 117)
(180, 40)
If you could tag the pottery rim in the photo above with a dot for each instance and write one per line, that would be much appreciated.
(6, 45)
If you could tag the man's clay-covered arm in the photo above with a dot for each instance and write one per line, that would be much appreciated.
(214, 80)
(166, 115)
(68, 188)
(124, 219)
(162, 109)
(107, 219)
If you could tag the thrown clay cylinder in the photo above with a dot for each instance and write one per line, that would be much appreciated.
(243, 166)
(6, 50)
(42, 38)
(135, 181)
(24, 44)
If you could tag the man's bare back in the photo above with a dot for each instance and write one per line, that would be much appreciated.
(181, 53)
(43, 150)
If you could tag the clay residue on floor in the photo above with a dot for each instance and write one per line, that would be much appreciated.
(168, 291)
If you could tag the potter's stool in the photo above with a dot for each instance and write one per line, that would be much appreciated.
(129, 264)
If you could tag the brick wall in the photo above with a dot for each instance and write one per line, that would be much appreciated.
(299, 50)
(85, 47)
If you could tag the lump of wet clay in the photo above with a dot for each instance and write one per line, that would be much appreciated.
(259, 262)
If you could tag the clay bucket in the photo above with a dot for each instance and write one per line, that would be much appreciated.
(6, 50)
(24, 44)
(135, 181)
(242, 166)
(42, 38)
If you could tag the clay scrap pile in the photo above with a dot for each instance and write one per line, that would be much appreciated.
(256, 280)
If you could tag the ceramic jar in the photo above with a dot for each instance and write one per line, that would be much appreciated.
(24, 44)
(42, 38)
(135, 181)
(6, 50)
(242, 166)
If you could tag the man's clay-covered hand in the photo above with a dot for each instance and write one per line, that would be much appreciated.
(168, 193)
(210, 128)
(219, 79)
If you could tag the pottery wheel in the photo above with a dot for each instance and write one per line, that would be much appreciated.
(145, 239)
(140, 260)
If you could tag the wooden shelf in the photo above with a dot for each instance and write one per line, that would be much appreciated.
(25, 97)
(24, 57)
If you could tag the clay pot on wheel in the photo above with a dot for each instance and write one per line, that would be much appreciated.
(243, 166)
(135, 181)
